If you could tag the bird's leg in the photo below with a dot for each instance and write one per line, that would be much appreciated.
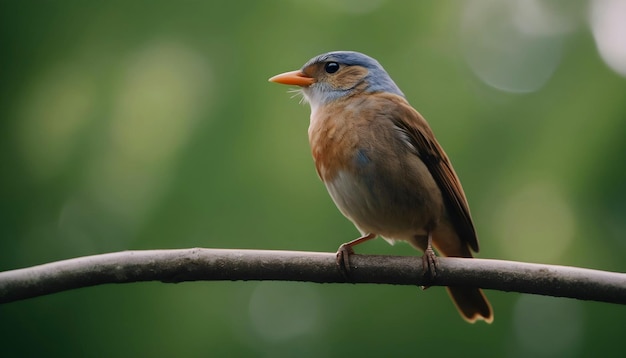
(345, 250)
(429, 260)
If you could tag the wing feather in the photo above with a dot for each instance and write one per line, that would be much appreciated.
(422, 139)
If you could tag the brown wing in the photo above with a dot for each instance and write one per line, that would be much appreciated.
(421, 137)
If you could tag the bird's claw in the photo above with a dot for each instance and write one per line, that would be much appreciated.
(344, 252)
(429, 264)
(343, 259)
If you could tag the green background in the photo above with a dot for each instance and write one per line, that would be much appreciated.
(131, 125)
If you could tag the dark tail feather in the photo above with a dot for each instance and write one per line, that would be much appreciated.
(471, 303)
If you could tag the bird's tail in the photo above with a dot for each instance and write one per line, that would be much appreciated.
(471, 303)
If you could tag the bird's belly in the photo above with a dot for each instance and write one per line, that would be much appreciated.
(385, 206)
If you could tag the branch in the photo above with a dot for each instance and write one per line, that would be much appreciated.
(172, 266)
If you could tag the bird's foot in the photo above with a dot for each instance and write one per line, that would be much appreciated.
(344, 252)
(343, 259)
(429, 263)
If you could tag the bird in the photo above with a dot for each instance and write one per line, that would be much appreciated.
(383, 167)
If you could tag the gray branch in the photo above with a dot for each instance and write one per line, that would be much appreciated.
(172, 266)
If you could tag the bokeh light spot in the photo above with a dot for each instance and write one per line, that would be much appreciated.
(534, 224)
(547, 326)
(52, 116)
(163, 91)
(513, 46)
(608, 24)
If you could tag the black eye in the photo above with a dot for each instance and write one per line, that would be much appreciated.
(331, 67)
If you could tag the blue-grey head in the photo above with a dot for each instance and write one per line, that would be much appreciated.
(337, 74)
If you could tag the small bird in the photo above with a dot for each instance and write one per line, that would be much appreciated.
(383, 167)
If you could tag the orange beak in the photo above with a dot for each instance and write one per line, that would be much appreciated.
(297, 78)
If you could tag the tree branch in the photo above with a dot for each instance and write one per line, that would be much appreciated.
(197, 264)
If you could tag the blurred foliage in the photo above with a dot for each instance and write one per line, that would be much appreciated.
(151, 124)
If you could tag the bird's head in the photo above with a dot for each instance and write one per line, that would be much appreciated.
(338, 74)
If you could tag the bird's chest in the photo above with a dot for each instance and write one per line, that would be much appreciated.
(374, 178)
(334, 137)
